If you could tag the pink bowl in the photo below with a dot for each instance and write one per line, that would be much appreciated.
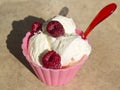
(52, 77)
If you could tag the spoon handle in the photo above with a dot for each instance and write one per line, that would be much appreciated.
(104, 13)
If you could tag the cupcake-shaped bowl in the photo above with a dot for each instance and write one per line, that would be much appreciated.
(52, 77)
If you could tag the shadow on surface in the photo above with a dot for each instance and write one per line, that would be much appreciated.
(18, 32)
(14, 39)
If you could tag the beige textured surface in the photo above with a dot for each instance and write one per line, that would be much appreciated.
(100, 72)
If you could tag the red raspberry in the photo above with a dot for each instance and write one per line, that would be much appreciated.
(55, 29)
(36, 26)
(51, 60)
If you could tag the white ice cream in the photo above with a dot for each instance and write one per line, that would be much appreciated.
(70, 46)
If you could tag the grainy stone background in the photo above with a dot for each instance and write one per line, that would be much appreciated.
(100, 72)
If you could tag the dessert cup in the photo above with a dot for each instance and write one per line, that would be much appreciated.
(52, 77)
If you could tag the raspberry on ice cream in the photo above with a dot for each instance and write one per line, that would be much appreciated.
(36, 26)
(51, 60)
(55, 29)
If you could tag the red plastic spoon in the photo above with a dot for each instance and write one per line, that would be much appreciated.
(104, 13)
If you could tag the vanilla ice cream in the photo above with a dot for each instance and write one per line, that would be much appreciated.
(69, 46)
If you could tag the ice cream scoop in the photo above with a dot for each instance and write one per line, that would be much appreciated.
(71, 48)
